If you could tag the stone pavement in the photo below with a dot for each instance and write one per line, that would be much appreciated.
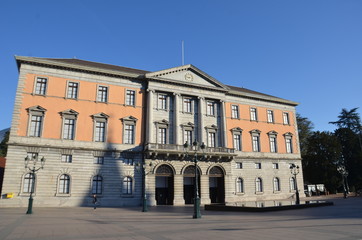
(341, 221)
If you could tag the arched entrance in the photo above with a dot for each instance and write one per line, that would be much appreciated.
(189, 184)
(164, 185)
(217, 185)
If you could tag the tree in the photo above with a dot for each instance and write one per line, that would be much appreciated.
(305, 130)
(349, 119)
(3, 145)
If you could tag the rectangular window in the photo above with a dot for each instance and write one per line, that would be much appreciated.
(98, 160)
(258, 165)
(128, 161)
(270, 116)
(129, 134)
(35, 126)
(68, 129)
(72, 90)
(239, 165)
(188, 136)
(256, 145)
(273, 144)
(100, 132)
(40, 86)
(212, 139)
(66, 158)
(253, 114)
(286, 118)
(237, 142)
(275, 165)
(162, 101)
(187, 105)
(234, 111)
(102, 95)
(130, 98)
(162, 136)
(210, 110)
(288, 142)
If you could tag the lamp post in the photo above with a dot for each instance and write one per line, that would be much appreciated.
(144, 193)
(343, 171)
(33, 161)
(294, 170)
(195, 144)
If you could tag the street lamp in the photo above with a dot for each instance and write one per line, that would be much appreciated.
(195, 145)
(294, 170)
(33, 161)
(144, 193)
(343, 171)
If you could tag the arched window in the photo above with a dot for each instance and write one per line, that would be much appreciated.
(64, 184)
(292, 184)
(97, 185)
(127, 185)
(276, 184)
(259, 185)
(29, 180)
(239, 185)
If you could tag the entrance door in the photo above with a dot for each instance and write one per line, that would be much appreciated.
(164, 185)
(217, 185)
(189, 184)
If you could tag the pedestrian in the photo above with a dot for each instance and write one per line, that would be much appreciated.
(95, 202)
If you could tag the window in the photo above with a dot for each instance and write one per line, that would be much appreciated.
(210, 108)
(100, 131)
(162, 101)
(66, 158)
(102, 94)
(212, 139)
(288, 142)
(258, 165)
(162, 135)
(273, 141)
(253, 114)
(188, 105)
(188, 136)
(97, 185)
(275, 165)
(128, 161)
(234, 111)
(237, 142)
(129, 134)
(28, 185)
(72, 91)
(276, 184)
(292, 184)
(40, 86)
(127, 186)
(64, 184)
(98, 160)
(239, 185)
(239, 165)
(68, 129)
(286, 118)
(270, 114)
(100, 127)
(259, 185)
(255, 138)
(36, 118)
(130, 98)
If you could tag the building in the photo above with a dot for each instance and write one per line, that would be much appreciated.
(2, 169)
(100, 127)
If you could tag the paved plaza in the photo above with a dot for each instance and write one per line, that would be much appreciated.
(341, 221)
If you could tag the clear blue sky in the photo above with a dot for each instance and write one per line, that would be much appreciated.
(307, 51)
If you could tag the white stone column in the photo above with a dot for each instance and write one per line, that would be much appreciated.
(150, 130)
(223, 123)
(176, 119)
(201, 105)
(178, 199)
(205, 189)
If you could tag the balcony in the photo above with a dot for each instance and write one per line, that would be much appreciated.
(173, 151)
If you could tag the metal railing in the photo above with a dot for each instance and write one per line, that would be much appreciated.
(180, 148)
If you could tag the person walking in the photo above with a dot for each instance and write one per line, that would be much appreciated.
(95, 202)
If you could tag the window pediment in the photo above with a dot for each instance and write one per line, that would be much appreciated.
(129, 119)
(36, 109)
(272, 133)
(255, 131)
(69, 112)
(100, 115)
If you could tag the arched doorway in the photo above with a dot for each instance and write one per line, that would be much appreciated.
(189, 184)
(164, 185)
(217, 185)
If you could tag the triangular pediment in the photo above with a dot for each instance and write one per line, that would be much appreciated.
(187, 74)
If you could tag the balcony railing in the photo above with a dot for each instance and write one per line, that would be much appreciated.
(173, 148)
